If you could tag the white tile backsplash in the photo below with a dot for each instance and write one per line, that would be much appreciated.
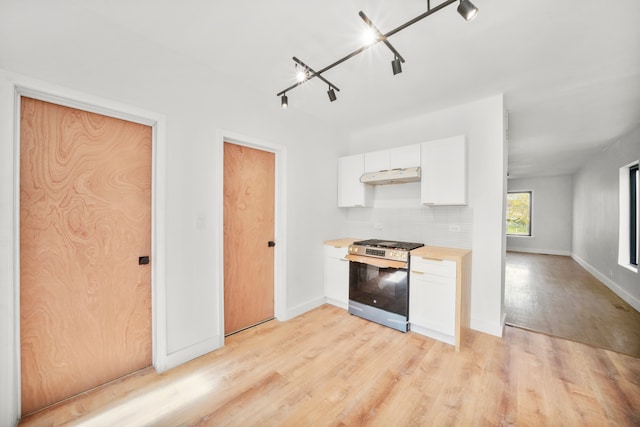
(449, 226)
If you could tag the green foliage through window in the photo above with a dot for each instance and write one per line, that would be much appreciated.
(519, 213)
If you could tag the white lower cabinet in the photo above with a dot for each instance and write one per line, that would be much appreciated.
(432, 298)
(336, 275)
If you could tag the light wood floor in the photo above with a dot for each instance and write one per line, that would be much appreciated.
(327, 368)
(555, 295)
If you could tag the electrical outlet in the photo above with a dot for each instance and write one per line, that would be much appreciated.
(378, 226)
(454, 228)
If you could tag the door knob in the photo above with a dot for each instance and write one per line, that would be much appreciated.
(271, 243)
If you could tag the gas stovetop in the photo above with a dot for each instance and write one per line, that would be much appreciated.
(384, 249)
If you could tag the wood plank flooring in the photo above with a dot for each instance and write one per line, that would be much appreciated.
(555, 295)
(327, 368)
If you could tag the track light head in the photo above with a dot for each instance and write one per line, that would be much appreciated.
(396, 66)
(467, 10)
(369, 36)
(332, 94)
(284, 101)
(301, 76)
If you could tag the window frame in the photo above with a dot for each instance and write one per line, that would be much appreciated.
(629, 222)
(633, 215)
(530, 193)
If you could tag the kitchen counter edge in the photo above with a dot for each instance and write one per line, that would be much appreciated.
(435, 252)
(440, 252)
(340, 243)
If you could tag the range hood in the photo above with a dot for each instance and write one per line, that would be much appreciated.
(392, 176)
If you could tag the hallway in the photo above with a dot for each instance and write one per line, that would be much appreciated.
(554, 295)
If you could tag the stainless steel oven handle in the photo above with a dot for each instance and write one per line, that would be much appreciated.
(377, 262)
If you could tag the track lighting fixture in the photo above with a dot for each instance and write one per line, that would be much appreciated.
(465, 8)
(301, 75)
(308, 74)
(332, 94)
(396, 66)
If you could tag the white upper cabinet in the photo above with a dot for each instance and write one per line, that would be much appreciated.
(407, 156)
(351, 192)
(444, 172)
(375, 161)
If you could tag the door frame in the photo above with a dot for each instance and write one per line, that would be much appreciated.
(16, 87)
(280, 229)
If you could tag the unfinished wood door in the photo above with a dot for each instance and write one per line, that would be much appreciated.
(85, 218)
(249, 190)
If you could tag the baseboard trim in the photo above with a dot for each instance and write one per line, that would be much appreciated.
(615, 288)
(490, 328)
(427, 332)
(539, 251)
(303, 308)
(189, 353)
(339, 304)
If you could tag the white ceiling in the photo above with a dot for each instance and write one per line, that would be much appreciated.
(569, 70)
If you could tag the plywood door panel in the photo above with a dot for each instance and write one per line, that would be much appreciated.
(85, 218)
(249, 189)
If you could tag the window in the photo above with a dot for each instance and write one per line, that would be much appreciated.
(633, 215)
(519, 213)
(629, 216)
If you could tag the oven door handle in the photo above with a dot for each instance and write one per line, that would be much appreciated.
(378, 262)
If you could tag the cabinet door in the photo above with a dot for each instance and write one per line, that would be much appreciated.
(336, 276)
(407, 156)
(375, 161)
(444, 172)
(351, 192)
(432, 298)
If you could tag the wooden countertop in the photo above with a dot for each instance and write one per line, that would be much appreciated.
(340, 243)
(439, 252)
(435, 252)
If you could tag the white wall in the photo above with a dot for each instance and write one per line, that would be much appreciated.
(483, 124)
(551, 216)
(109, 63)
(596, 217)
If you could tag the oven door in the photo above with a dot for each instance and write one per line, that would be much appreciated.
(379, 283)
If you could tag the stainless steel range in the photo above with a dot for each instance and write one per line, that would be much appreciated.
(379, 281)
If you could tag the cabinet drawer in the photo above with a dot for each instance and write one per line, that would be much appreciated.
(333, 252)
(446, 268)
